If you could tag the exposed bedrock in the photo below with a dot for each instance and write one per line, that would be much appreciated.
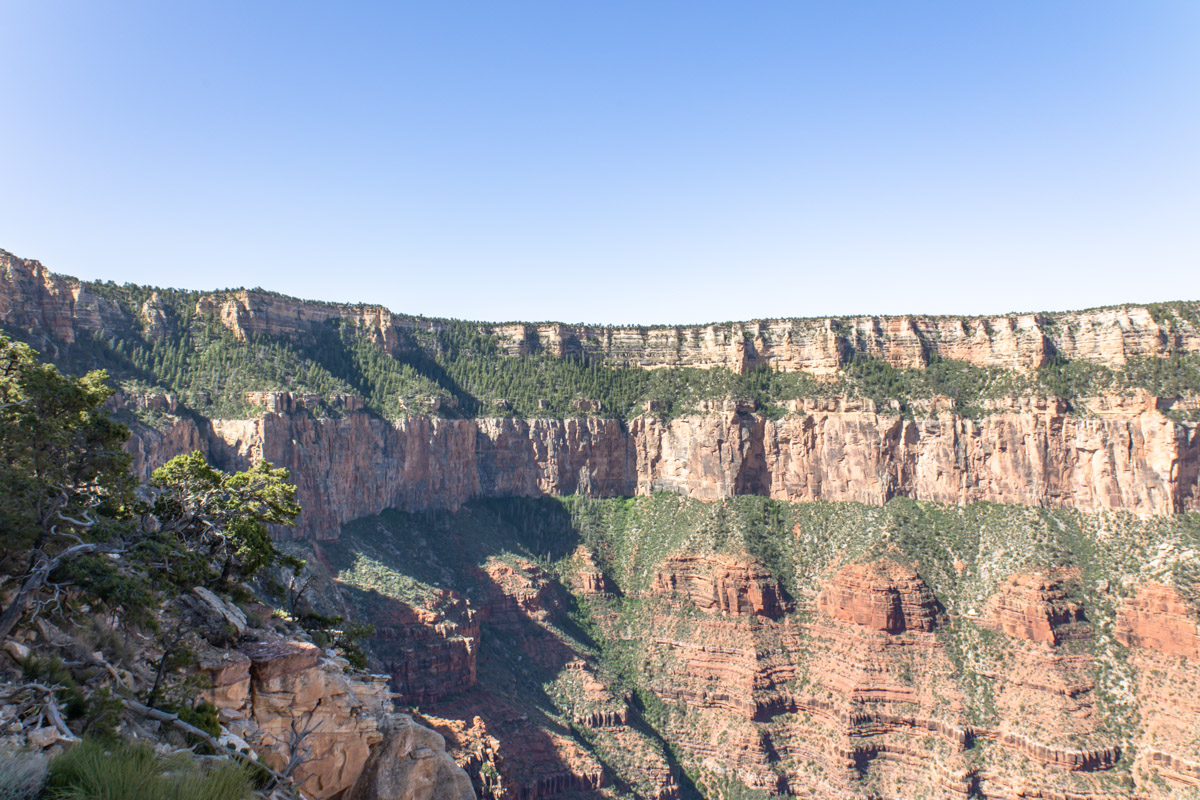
(1162, 630)
(883, 596)
(357, 745)
(1127, 459)
(35, 299)
(862, 690)
(722, 584)
(1037, 607)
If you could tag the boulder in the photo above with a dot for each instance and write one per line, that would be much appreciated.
(411, 763)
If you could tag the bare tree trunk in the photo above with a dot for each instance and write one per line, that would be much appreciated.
(40, 567)
(175, 721)
(35, 578)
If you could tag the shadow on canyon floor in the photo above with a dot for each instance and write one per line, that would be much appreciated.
(474, 624)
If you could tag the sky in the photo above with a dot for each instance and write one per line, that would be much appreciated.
(615, 162)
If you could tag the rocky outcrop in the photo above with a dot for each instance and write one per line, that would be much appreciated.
(151, 447)
(429, 650)
(513, 751)
(1035, 607)
(722, 584)
(517, 592)
(883, 596)
(356, 465)
(268, 691)
(1142, 462)
(1121, 454)
(48, 306)
(247, 313)
(1159, 619)
(861, 690)
(586, 578)
(1162, 630)
(582, 455)
(1014, 341)
(411, 764)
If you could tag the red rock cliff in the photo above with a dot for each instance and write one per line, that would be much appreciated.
(1137, 461)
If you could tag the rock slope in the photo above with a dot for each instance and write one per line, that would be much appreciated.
(816, 650)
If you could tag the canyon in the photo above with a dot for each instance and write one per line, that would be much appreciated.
(826, 596)
(905, 650)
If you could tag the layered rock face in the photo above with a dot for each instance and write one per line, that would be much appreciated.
(1142, 463)
(1122, 454)
(1158, 619)
(882, 596)
(865, 696)
(1018, 341)
(525, 758)
(722, 584)
(1133, 460)
(428, 652)
(1035, 607)
(612, 671)
(1162, 630)
(917, 651)
(33, 298)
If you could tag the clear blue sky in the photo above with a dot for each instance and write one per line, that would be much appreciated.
(612, 161)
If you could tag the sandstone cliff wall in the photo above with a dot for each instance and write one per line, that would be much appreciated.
(347, 468)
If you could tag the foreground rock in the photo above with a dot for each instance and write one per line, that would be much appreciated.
(270, 692)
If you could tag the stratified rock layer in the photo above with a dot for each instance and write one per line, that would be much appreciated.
(883, 596)
(1123, 454)
(1158, 619)
(33, 298)
(1035, 607)
(722, 584)
(865, 694)
(1162, 629)
(350, 467)
(861, 689)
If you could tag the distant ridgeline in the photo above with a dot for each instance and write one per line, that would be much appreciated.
(212, 351)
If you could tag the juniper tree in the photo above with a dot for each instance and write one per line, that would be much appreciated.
(65, 485)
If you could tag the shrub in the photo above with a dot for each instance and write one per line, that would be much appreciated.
(22, 774)
(95, 771)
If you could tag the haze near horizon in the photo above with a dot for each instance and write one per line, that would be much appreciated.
(615, 163)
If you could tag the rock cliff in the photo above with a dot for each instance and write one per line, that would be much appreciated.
(1163, 631)
(1120, 453)
(35, 299)
(357, 746)
(1128, 460)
